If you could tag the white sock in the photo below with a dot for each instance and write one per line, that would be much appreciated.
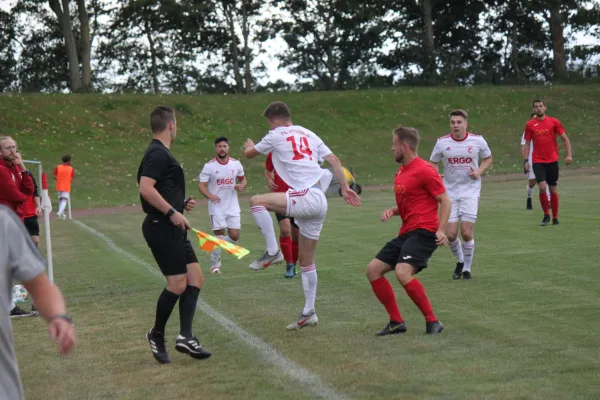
(230, 240)
(265, 223)
(215, 255)
(529, 191)
(457, 250)
(468, 249)
(61, 206)
(309, 284)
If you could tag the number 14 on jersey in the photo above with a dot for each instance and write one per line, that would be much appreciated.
(303, 149)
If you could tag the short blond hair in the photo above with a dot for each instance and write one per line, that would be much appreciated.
(459, 113)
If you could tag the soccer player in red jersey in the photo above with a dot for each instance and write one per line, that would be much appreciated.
(288, 230)
(418, 189)
(541, 132)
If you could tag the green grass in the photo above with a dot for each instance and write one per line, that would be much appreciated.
(107, 134)
(524, 328)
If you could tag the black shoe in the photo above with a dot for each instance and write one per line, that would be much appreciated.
(19, 312)
(467, 275)
(34, 312)
(192, 347)
(433, 328)
(529, 205)
(458, 271)
(157, 345)
(555, 221)
(393, 328)
(546, 220)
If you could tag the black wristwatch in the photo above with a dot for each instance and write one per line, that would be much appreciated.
(525, 161)
(66, 317)
(170, 212)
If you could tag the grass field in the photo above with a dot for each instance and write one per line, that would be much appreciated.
(107, 134)
(524, 328)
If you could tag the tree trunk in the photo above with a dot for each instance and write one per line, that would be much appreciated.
(154, 67)
(86, 68)
(558, 42)
(429, 66)
(247, 58)
(235, 56)
(64, 19)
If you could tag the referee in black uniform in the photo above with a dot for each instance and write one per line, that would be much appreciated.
(162, 193)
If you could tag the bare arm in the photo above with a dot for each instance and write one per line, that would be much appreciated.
(242, 182)
(567, 143)
(202, 186)
(445, 208)
(485, 164)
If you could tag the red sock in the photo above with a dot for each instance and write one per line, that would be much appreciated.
(417, 294)
(554, 203)
(285, 242)
(544, 202)
(385, 294)
(295, 252)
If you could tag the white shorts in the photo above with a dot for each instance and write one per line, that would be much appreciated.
(64, 195)
(530, 174)
(464, 209)
(309, 208)
(219, 221)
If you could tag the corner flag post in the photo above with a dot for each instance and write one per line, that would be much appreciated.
(47, 207)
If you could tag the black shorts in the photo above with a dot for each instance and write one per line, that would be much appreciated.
(546, 172)
(414, 248)
(170, 246)
(281, 217)
(32, 225)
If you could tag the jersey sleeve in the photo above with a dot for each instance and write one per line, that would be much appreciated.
(322, 151)
(559, 128)
(523, 141)
(240, 172)
(528, 133)
(436, 154)
(266, 145)
(432, 182)
(205, 174)
(269, 163)
(484, 149)
(8, 188)
(154, 165)
(24, 259)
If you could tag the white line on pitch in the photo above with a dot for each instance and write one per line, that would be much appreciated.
(270, 354)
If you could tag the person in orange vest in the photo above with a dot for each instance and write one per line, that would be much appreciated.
(64, 175)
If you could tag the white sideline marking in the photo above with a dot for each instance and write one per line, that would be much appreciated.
(270, 354)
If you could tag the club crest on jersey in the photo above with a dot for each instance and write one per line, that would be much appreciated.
(470, 149)
(448, 149)
(233, 172)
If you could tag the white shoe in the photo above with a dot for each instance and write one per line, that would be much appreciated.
(267, 260)
(215, 270)
(305, 320)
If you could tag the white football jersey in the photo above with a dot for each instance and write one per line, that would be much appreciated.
(296, 155)
(459, 157)
(222, 179)
(523, 142)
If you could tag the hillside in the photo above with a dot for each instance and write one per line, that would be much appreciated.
(107, 134)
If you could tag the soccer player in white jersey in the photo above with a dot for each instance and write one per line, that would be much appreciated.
(460, 151)
(220, 180)
(530, 174)
(296, 154)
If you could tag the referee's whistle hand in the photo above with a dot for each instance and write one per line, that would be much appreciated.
(190, 204)
(180, 221)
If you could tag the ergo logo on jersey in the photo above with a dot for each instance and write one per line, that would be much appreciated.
(460, 160)
(225, 181)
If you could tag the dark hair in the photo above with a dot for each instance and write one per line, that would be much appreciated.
(459, 113)
(537, 101)
(160, 118)
(66, 158)
(221, 139)
(407, 135)
(277, 109)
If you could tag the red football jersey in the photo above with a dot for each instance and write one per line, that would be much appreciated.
(416, 186)
(281, 185)
(542, 134)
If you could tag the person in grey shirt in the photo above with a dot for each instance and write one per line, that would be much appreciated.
(21, 261)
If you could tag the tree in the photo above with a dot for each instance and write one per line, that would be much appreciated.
(8, 63)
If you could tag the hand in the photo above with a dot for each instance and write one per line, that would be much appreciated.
(569, 160)
(63, 333)
(39, 212)
(527, 167)
(387, 214)
(190, 204)
(248, 145)
(440, 238)
(272, 184)
(351, 197)
(215, 199)
(19, 161)
(475, 173)
(239, 187)
(180, 221)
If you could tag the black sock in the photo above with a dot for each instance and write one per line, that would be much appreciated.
(187, 309)
(164, 307)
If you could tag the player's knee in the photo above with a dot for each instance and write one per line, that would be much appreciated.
(285, 230)
(404, 273)
(467, 236)
(373, 272)
(451, 236)
(36, 240)
(235, 236)
(255, 201)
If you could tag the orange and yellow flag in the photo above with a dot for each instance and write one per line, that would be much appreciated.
(208, 243)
